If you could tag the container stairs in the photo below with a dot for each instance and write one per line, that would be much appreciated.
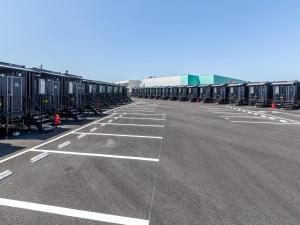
(290, 106)
(95, 110)
(75, 115)
(43, 122)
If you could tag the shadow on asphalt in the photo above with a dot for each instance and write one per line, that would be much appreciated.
(6, 149)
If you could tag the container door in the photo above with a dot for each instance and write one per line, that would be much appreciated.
(263, 95)
(55, 93)
(14, 94)
(290, 93)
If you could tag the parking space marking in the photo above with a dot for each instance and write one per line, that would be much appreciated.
(39, 157)
(262, 122)
(241, 116)
(140, 118)
(64, 144)
(283, 121)
(5, 174)
(233, 113)
(73, 212)
(81, 136)
(97, 155)
(128, 110)
(290, 114)
(122, 135)
(93, 129)
(132, 124)
(145, 114)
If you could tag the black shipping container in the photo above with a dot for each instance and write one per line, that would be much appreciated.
(286, 94)
(220, 93)
(260, 94)
(238, 94)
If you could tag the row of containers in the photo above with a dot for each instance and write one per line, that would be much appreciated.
(42, 98)
(282, 94)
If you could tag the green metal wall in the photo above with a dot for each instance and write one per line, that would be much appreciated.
(217, 79)
(189, 79)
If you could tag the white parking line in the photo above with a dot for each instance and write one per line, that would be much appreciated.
(229, 113)
(262, 122)
(97, 155)
(64, 144)
(39, 157)
(146, 114)
(241, 116)
(93, 129)
(5, 174)
(132, 124)
(127, 110)
(73, 212)
(81, 135)
(122, 135)
(139, 118)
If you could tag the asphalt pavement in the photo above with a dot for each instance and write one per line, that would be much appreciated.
(160, 162)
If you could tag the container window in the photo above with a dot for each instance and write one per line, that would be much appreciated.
(251, 90)
(215, 90)
(90, 89)
(276, 89)
(70, 87)
(42, 86)
(231, 90)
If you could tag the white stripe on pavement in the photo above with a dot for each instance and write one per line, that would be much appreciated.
(131, 124)
(122, 135)
(108, 218)
(97, 155)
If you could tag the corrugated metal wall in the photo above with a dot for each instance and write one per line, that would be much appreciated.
(188, 79)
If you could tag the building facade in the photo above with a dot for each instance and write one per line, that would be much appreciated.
(187, 79)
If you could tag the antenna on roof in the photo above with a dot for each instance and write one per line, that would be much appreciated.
(66, 72)
(41, 66)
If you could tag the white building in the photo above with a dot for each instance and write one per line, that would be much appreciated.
(130, 84)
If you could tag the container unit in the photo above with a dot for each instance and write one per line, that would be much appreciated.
(143, 93)
(220, 93)
(260, 94)
(174, 93)
(102, 94)
(152, 92)
(147, 92)
(183, 93)
(46, 90)
(135, 92)
(165, 93)
(238, 94)
(286, 94)
(158, 92)
(13, 95)
(45, 98)
(92, 104)
(205, 94)
(124, 93)
(72, 97)
(193, 93)
(110, 95)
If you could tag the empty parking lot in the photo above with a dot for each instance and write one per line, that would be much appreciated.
(161, 162)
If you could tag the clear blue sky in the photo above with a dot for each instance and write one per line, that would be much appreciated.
(112, 40)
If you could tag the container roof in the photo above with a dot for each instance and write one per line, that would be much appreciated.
(236, 84)
(218, 85)
(258, 83)
(285, 82)
(13, 66)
